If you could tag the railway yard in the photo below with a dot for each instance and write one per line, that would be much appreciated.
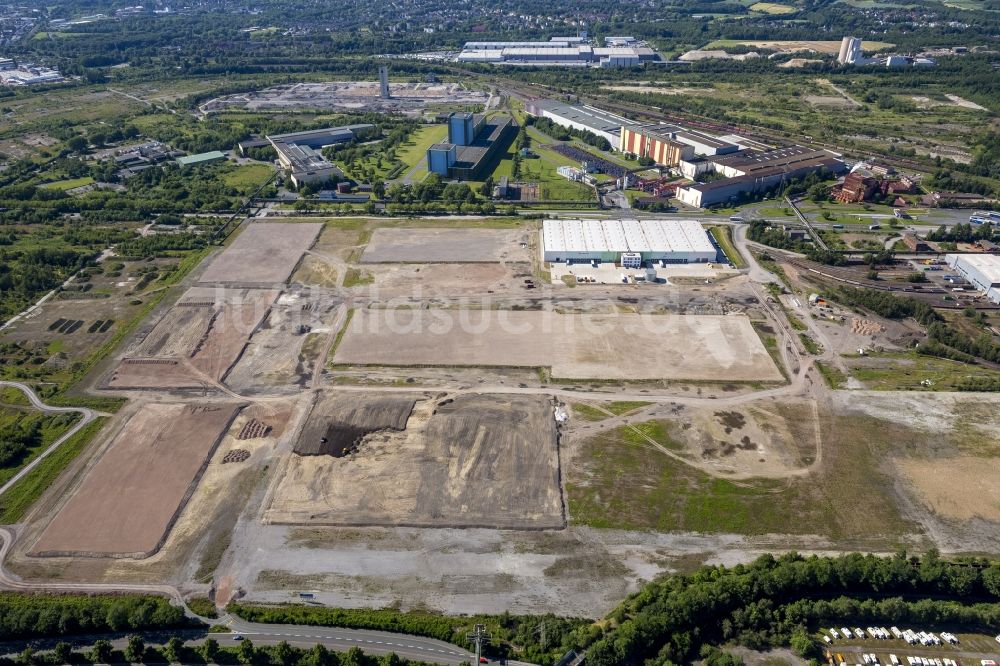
(380, 414)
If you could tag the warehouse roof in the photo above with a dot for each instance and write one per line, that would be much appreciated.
(988, 265)
(201, 158)
(588, 116)
(625, 236)
(294, 137)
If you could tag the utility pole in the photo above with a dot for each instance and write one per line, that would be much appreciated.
(480, 637)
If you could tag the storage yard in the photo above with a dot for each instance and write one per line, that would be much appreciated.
(129, 499)
(348, 96)
(468, 461)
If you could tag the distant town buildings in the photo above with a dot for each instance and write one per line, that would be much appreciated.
(27, 74)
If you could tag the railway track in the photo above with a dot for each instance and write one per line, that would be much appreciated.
(849, 277)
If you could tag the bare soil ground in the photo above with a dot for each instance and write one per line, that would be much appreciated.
(625, 346)
(264, 254)
(314, 271)
(281, 353)
(204, 332)
(477, 460)
(959, 488)
(452, 245)
(132, 495)
(756, 440)
(336, 426)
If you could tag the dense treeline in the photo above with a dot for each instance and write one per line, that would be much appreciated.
(761, 231)
(506, 629)
(175, 651)
(561, 133)
(772, 600)
(965, 233)
(29, 615)
(887, 305)
(944, 340)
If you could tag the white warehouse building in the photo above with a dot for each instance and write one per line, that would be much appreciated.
(669, 241)
(982, 270)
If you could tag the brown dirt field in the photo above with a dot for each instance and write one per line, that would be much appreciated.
(625, 346)
(265, 253)
(428, 245)
(130, 497)
(207, 328)
(960, 488)
(440, 280)
(475, 461)
(314, 271)
(760, 439)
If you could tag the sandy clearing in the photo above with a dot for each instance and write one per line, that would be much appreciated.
(442, 245)
(265, 253)
(623, 346)
(960, 488)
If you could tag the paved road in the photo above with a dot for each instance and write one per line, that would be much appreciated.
(374, 642)
(88, 416)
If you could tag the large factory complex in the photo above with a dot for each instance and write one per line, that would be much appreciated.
(561, 52)
(630, 243)
(297, 152)
(474, 142)
(747, 167)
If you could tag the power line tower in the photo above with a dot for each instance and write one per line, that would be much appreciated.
(480, 636)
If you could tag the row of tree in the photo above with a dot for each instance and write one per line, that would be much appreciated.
(775, 599)
(30, 615)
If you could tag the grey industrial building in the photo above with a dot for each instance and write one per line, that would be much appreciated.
(474, 143)
(297, 152)
(626, 241)
(749, 172)
(560, 52)
(982, 270)
(580, 117)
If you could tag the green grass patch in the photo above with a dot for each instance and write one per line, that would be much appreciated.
(621, 482)
(617, 408)
(724, 237)
(203, 606)
(834, 377)
(340, 334)
(910, 371)
(68, 184)
(415, 148)
(810, 345)
(247, 178)
(772, 8)
(14, 504)
(355, 277)
(12, 396)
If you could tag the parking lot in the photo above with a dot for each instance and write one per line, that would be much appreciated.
(901, 646)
